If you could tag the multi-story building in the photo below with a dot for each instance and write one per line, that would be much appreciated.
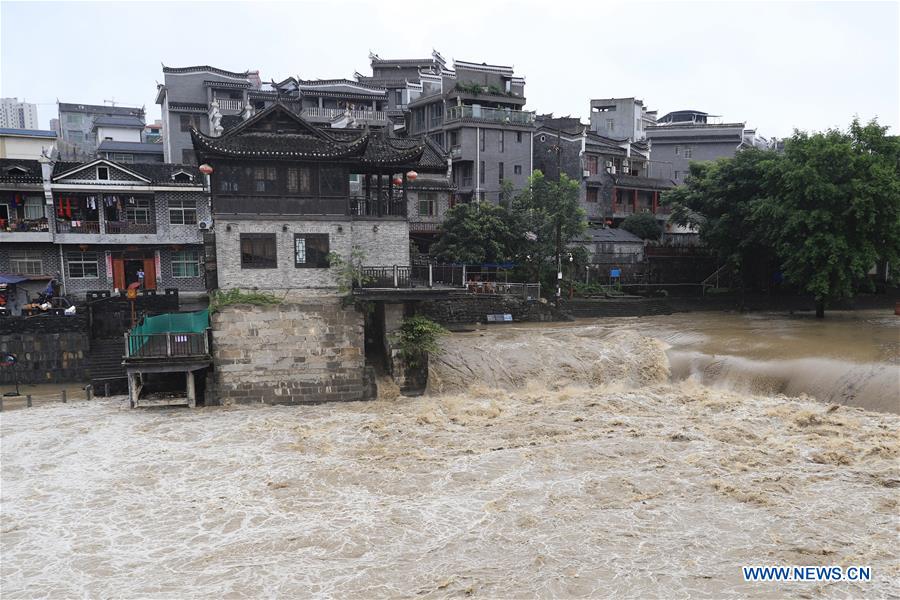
(77, 134)
(616, 177)
(130, 152)
(94, 225)
(26, 144)
(213, 100)
(153, 132)
(475, 113)
(684, 136)
(18, 115)
(404, 80)
(621, 118)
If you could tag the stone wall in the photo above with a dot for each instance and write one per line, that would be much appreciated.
(49, 349)
(475, 309)
(306, 349)
(384, 242)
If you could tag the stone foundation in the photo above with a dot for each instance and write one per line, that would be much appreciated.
(305, 350)
(475, 309)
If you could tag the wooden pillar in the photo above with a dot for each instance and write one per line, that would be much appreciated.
(634, 201)
(403, 206)
(379, 199)
(655, 202)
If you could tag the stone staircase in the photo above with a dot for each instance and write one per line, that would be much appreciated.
(105, 366)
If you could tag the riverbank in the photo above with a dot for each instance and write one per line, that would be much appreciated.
(575, 470)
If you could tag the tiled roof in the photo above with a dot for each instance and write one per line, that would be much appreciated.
(157, 173)
(634, 181)
(188, 106)
(228, 84)
(202, 69)
(98, 109)
(609, 234)
(10, 171)
(119, 121)
(276, 145)
(42, 133)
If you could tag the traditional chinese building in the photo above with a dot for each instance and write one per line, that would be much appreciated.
(286, 196)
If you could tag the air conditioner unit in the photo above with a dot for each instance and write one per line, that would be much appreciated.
(624, 165)
(608, 164)
(203, 225)
(586, 173)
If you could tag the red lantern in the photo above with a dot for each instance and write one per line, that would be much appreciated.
(398, 181)
(206, 169)
(411, 175)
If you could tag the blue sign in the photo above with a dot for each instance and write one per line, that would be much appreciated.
(615, 272)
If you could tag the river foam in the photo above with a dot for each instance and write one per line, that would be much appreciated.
(543, 463)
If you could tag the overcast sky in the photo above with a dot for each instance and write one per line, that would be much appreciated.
(777, 66)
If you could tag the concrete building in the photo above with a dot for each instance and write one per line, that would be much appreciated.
(685, 136)
(616, 177)
(26, 144)
(475, 113)
(621, 118)
(118, 129)
(130, 152)
(77, 134)
(403, 81)
(17, 115)
(93, 226)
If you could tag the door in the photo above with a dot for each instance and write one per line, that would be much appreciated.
(119, 273)
(149, 274)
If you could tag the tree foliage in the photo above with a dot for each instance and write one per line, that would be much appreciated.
(643, 225)
(825, 211)
(478, 233)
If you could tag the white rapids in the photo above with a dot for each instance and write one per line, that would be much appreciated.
(543, 463)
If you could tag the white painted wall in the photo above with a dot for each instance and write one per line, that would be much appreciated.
(118, 134)
(24, 147)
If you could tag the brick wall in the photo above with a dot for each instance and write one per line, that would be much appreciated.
(49, 349)
(307, 349)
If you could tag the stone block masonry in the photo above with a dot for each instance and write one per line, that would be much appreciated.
(49, 349)
(304, 350)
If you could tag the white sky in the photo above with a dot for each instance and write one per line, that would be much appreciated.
(777, 66)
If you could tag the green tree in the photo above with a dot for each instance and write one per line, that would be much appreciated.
(476, 233)
(719, 199)
(643, 225)
(837, 209)
(552, 218)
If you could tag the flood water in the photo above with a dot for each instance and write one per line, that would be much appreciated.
(628, 458)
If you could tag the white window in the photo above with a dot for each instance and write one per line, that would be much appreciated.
(677, 149)
(138, 212)
(182, 212)
(122, 158)
(688, 151)
(609, 123)
(103, 173)
(26, 262)
(186, 263)
(34, 208)
(82, 265)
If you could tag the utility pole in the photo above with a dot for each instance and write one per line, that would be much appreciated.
(558, 217)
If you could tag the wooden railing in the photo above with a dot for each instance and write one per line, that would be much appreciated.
(332, 113)
(229, 104)
(166, 345)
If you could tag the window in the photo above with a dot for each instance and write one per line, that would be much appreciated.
(398, 98)
(139, 212)
(454, 138)
(677, 149)
(103, 173)
(517, 169)
(311, 250)
(427, 204)
(122, 158)
(26, 262)
(500, 174)
(186, 263)
(182, 178)
(637, 124)
(266, 179)
(182, 212)
(188, 157)
(481, 139)
(609, 124)
(76, 137)
(73, 119)
(592, 194)
(518, 137)
(333, 181)
(188, 121)
(258, 251)
(481, 173)
(592, 165)
(676, 175)
(229, 179)
(501, 141)
(82, 265)
(688, 151)
(34, 208)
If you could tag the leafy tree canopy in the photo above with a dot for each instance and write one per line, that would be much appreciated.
(643, 225)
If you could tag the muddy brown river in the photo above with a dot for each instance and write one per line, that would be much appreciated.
(620, 458)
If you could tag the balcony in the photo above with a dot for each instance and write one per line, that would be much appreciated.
(456, 151)
(355, 206)
(230, 104)
(25, 230)
(493, 115)
(116, 227)
(372, 116)
(91, 227)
